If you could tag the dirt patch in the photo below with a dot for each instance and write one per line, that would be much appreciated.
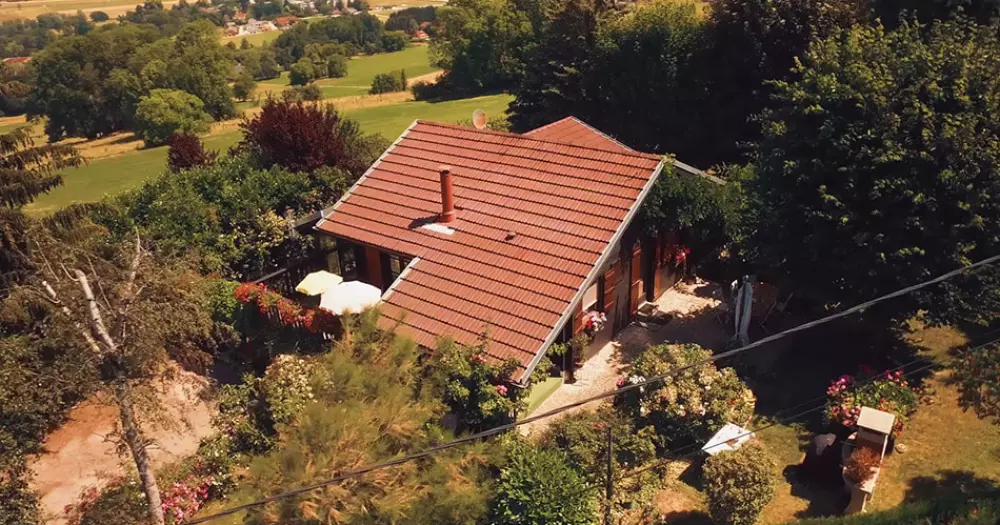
(81, 454)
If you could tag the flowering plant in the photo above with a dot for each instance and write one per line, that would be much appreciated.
(681, 254)
(888, 392)
(184, 498)
(286, 387)
(289, 313)
(594, 320)
(689, 406)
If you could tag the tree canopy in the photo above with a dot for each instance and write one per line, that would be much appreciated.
(876, 169)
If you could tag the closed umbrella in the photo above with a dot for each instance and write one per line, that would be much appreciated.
(318, 282)
(353, 296)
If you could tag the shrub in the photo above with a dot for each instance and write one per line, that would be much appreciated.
(687, 407)
(858, 468)
(582, 437)
(739, 483)
(475, 388)
(394, 41)
(120, 502)
(186, 151)
(99, 16)
(388, 82)
(538, 487)
(286, 387)
(306, 93)
(302, 137)
(18, 503)
(245, 418)
(165, 112)
(890, 393)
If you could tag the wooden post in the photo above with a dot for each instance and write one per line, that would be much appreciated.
(610, 483)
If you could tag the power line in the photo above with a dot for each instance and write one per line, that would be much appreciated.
(781, 421)
(604, 395)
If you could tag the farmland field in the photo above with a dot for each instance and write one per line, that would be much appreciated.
(33, 8)
(109, 175)
(361, 71)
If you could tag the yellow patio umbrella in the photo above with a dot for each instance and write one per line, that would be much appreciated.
(319, 282)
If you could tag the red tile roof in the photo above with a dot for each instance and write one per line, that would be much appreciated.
(566, 204)
(572, 130)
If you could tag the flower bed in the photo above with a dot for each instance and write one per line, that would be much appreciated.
(890, 393)
(288, 313)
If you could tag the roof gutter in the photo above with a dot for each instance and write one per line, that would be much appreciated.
(593, 275)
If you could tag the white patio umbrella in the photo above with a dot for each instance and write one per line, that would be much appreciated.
(352, 296)
(318, 282)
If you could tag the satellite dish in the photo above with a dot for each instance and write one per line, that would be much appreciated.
(479, 119)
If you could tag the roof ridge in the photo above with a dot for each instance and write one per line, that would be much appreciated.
(629, 152)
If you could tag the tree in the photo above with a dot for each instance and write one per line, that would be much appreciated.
(124, 310)
(891, 11)
(874, 170)
(556, 78)
(483, 45)
(388, 82)
(538, 486)
(26, 171)
(304, 137)
(307, 93)
(269, 67)
(187, 151)
(26, 411)
(245, 44)
(752, 42)
(244, 86)
(394, 41)
(167, 111)
(368, 407)
(99, 16)
(739, 483)
(336, 66)
(200, 65)
(302, 72)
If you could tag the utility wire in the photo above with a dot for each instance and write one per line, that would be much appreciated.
(677, 455)
(604, 395)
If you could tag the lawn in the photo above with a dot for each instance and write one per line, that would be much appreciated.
(91, 182)
(361, 71)
(256, 40)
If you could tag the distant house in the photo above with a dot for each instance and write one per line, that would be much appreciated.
(240, 16)
(351, 11)
(17, 60)
(523, 236)
(285, 22)
(425, 24)
(253, 27)
(231, 30)
(420, 36)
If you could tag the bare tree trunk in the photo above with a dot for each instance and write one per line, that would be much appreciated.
(137, 445)
(123, 397)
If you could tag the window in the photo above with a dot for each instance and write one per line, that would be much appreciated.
(348, 260)
(593, 298)
(392, 266)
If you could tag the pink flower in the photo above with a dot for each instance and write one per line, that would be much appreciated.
(502, 390)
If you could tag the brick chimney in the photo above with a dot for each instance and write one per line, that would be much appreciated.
(447, 197)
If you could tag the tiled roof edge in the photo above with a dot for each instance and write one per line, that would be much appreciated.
(691, 170)
(525, 136)
(594, 273)
(350, 191)
(584, 124)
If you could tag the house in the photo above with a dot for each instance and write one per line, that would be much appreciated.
(17, 60)
(284, 22)
(425, 24)
(240, 16)
(469, 230)
(253, 27)
(420, 36)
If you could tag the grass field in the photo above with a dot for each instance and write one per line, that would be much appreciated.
(256, 40)
(91, 182)
(361, 71)
(33, 8)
